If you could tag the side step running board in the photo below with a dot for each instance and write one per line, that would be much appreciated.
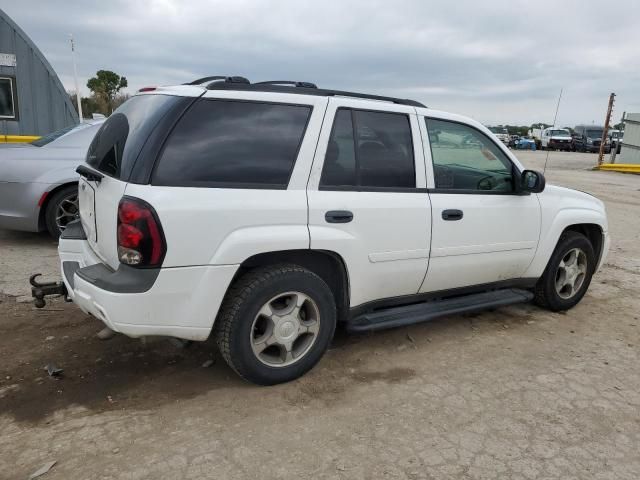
(423, 312)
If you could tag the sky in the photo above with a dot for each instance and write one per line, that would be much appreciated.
(500, 62)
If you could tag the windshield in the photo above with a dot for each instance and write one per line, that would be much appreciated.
(617, 134)
(560, 133)
(594, 133)
(42, 141)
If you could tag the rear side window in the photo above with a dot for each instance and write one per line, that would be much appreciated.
(117, 144)
(369, 149)
(236, 144)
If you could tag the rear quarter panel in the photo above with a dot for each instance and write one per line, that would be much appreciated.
(224, 226)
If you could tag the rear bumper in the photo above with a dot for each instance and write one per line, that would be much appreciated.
(178, 302)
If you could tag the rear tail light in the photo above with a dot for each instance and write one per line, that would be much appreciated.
(140, 238)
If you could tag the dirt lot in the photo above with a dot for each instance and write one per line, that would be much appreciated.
(515, 393)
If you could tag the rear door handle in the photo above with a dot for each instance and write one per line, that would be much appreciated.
(452, 215)
(338, 216)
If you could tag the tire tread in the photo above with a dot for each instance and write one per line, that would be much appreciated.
(239, 293)
(541, 298)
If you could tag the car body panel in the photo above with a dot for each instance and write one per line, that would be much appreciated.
(27, 172)
(562, 207)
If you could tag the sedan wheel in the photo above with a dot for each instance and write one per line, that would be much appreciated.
(62, 209)
(67, 211)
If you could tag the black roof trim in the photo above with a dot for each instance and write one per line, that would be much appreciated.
(318, 92)
(219, 78)
(288, 82)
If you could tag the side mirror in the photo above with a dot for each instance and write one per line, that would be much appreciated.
(532, 181)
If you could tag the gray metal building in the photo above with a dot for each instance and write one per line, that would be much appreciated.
(630, 152)
(32, 98)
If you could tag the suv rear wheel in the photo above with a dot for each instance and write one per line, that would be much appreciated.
(275, 323)
(568, 274)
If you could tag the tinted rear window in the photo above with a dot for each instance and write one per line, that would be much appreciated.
(117, 144)
(236, 144)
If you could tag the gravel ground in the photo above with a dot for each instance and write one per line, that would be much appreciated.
(517, 393)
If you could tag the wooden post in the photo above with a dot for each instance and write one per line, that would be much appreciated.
(607, 120)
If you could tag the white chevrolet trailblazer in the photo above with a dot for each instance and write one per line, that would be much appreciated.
(266, 213)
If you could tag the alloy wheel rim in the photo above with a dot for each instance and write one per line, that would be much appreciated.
(571, 273)
(285, 329)
(67, 211)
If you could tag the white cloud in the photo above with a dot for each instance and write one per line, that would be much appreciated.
(500, 62)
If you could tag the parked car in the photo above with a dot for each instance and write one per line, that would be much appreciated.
(38, 181)
(513, 141)
(587, 138)
(535, 134)
(503, 137)
(266, 213)
(616, 137)
(526, 143)
(501, 133)
(556, 139)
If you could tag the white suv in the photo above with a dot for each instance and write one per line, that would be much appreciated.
(267, 213)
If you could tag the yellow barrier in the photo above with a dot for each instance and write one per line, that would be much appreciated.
(620, 167)
(18, 138)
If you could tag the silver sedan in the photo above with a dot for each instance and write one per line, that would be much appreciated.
(38, 181)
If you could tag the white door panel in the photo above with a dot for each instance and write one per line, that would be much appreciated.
(497, 236)
(495, 240)
(385, 246)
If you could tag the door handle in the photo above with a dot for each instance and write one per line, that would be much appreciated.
(338, 216)
(452, 215)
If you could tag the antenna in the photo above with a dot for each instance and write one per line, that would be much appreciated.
(75, 77)
(554, 126)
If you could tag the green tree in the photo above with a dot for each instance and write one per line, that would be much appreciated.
(540, 125)
(105, 86)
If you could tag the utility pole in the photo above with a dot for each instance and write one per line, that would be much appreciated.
(607, 120)
(75, 78)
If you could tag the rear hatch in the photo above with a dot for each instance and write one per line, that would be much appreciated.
(113, 152)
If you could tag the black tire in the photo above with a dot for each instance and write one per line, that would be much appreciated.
(546, 294)
(233, 328)
(57, 199)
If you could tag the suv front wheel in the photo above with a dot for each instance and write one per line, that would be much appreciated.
(568, 273)
(275, 323)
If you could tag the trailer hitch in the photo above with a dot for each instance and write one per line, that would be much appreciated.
(41, 290)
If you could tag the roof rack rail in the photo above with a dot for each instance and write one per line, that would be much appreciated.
(218, 78)
(288, 82)
(319, 92)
